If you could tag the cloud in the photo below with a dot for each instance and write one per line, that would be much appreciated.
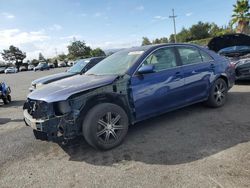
(189, 14)
(8, 15)
(56, 27)
(140, 8)
(26, 41)
(98, 14)
(71, 37)
(160, 18)
(17, 37)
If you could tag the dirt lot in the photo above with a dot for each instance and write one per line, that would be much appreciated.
(192, 147)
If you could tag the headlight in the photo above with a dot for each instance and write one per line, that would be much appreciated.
(39, 85)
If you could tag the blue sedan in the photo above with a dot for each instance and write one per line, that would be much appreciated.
(127, 87)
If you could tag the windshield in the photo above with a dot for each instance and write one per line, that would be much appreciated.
(116, 64)
(79, 66)
(235, 49)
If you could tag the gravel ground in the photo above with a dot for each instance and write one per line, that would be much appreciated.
(192, 147)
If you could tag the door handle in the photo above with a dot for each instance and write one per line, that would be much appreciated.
(178, 76)
(212, 66)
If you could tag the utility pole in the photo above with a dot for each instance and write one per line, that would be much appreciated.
(173, 17)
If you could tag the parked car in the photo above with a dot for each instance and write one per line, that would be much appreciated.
(22, 68)
(11, 70)
(31, 67)
(80, 67)
(41, 67)
(5, 93)
(2, 69)
(236, 47)
(51, 65)
(62, 64)
(127, 87)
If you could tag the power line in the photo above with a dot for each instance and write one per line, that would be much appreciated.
(173, 17)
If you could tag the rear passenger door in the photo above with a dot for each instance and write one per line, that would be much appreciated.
(198, 68)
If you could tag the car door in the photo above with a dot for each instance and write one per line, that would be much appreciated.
(161, 90)
(198, 68)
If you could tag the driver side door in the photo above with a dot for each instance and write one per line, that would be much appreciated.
(161, 90)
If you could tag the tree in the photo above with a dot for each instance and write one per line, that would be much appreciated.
(199, 31)
(14, 54)
(62, 57)
(34, 62)
(241, 16)
(78, 49)
(98, 52)
(171, 38)
(41, 57)
(156, 41)
(145, 41)
(164, 40)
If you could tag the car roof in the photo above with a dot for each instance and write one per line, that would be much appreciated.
(153, 46)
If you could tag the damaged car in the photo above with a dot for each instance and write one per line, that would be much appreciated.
(80, 67)
(127, 87)
(236, 47)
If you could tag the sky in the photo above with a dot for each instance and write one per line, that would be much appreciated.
(48, 26)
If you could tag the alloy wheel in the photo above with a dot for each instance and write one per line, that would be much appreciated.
(109, 128)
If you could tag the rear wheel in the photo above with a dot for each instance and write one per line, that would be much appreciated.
(218, 94)
(105, 126)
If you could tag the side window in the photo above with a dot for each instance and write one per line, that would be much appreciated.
(90, 64)
(162, 59)
(206, 57)
(189, 55)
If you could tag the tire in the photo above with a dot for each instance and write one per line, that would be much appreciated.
(40, 135)
(105, 126)
(5, 100)
(9, 98)
(218, 94)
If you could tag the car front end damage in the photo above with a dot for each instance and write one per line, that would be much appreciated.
(63, 119)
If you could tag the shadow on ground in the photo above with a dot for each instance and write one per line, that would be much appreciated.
(7, 120)
(15, 103)
(242, 82)
(178, 137)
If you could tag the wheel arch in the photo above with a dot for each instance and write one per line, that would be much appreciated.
(117, 99)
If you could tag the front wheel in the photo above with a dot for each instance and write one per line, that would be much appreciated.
(105, 126)
(218, 94)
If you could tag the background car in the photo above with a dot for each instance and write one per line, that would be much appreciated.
(51, 65)
(129, 86)
(62, 64)
(22, 68)
(80, 67)
(31, 67)
(11, 70)
(236, 47)
(2, 69)
(41, 67)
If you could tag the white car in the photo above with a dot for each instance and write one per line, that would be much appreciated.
(62, 64)
(10, 70)
(31, 67)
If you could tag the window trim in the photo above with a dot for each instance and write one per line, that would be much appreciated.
(178, 63)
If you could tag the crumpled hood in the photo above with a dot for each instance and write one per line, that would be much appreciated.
(63, 89)
(52, 78)
(224, 41)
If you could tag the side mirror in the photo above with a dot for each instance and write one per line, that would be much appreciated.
(146, 69)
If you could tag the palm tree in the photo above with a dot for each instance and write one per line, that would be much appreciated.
(241, 16)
